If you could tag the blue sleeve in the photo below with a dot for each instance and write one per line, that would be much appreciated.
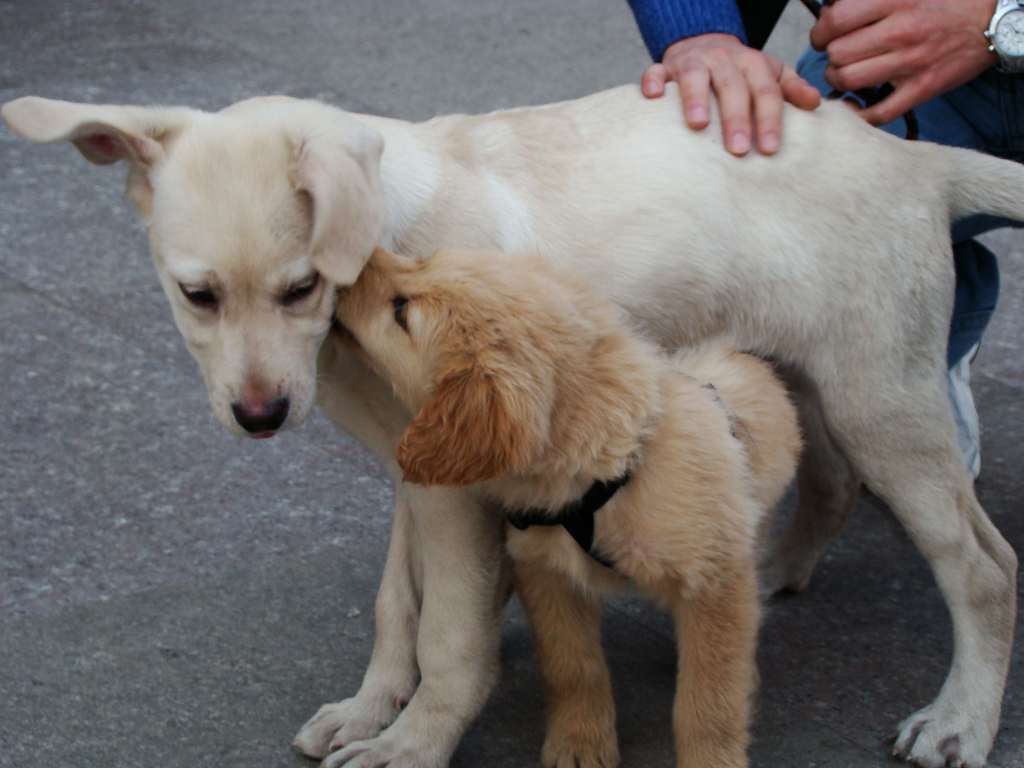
(663, 22)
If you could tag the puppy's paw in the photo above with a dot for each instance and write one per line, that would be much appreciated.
(579, 742)
(943, 737)
(352, 720)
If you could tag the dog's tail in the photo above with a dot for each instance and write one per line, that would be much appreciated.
(980, 183)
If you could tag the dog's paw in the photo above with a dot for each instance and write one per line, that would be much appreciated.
(385, 751)
(352, 720)
(943, 737)
(585, 746)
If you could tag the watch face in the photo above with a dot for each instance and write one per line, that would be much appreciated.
(1009, 37)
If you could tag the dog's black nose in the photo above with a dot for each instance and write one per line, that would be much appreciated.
(263, 417)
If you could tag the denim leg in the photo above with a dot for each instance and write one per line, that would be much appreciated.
(977, 290)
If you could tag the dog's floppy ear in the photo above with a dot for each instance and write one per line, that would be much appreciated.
(475, 427)
(340, 171)
(104, 134)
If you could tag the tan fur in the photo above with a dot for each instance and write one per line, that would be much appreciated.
(531, 387)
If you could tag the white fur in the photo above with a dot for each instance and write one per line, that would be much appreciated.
(515, 227)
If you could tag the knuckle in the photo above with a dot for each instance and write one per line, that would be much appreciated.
(747, 56)
(824, 29)
(768, 90)
(839, 80)
(690, 62)
(836, 54)
(922, 57)
(693, 90)
(752, 60)
(693, 76)
(674, 59)
(844, 81)
(835, 15)
(904, 31)
(735, 115)
(929, 81)
(718, 57)
(725, 75)
(899, 38)
(731, 87)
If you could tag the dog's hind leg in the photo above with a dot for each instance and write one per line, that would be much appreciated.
(566, 625)
(828, 490)
(901, 438)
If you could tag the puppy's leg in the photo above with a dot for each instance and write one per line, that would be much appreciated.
(717, 632)
(457, 639)
(905, 448)
(828, 490)
(390, 679)
(566, 626)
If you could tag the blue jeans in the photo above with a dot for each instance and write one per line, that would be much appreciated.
(985, 114)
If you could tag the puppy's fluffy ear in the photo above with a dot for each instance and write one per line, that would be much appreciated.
(103, 134)
(475, 427)
(340, 171)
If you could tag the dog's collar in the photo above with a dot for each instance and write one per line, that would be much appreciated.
(577, 517)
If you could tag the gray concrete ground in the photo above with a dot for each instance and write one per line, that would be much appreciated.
(171, 596)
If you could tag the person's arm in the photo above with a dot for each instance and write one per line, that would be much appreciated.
(923, 49)
(701, 46)
(663, 22)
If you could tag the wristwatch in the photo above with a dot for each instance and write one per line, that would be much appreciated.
(1005, 35)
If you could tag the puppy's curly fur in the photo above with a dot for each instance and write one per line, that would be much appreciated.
(527, 385)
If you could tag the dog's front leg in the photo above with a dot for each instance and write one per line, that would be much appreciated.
(461, 558)
(717, 632)
(390, 679)
(566, 625)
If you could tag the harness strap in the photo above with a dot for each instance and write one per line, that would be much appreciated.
(576, 517)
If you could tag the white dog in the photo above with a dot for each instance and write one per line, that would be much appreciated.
(258, 212)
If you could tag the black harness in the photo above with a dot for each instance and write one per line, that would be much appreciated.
(576, 517)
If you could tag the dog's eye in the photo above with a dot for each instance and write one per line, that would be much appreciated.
(200, 297)
(299, 291)
(401, 304)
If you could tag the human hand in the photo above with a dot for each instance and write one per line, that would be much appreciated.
(750, 86)
(922, 49)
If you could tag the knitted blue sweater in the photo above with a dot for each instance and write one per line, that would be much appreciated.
(663, 22)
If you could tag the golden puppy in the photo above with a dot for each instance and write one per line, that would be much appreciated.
(528, 386)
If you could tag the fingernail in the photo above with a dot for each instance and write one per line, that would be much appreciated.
(698, 113)
(769, 141)
(739, 143)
